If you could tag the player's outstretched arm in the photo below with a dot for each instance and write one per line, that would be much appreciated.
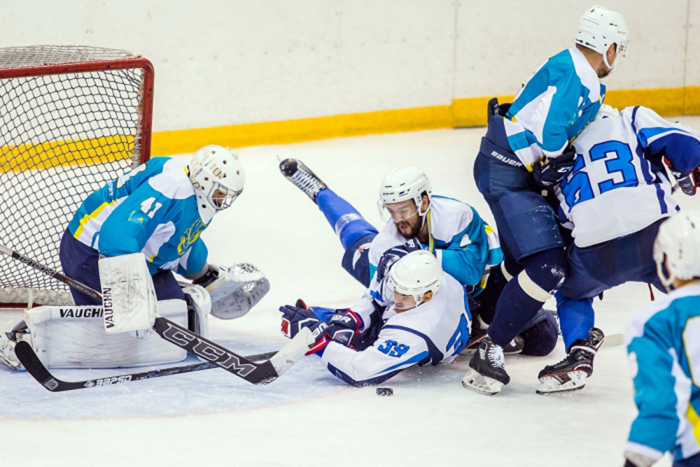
(394, 351)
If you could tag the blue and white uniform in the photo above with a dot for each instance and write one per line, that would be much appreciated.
(614, 200)
(433, 332)
(618, 185)
(151, 210)
(464, 245)
(663, 347)
(553, 107)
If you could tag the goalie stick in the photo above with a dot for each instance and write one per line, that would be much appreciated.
(255, 373)
(33, 365)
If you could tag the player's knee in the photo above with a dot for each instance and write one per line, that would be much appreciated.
(356, 259)
(544, 273)
(541, 338)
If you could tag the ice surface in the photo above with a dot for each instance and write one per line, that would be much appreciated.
(308, 417)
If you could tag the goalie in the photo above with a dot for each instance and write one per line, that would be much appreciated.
(127, 239)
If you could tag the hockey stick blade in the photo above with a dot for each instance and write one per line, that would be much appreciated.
(39, 372)
(263, 373)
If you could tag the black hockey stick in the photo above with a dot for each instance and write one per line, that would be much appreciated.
(31, 362)
(255, 373)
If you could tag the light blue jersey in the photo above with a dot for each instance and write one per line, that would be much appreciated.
(618, 185)
(465, 246)
(553, 107)
(663, 347)
(152, 210)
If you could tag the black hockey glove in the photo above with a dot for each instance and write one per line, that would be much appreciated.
(496, 109)
(549, 172)
(392, 255)
(690, 182)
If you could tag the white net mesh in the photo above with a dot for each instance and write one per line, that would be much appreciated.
(63, 135)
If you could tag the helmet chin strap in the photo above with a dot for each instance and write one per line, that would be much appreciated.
(607, 64)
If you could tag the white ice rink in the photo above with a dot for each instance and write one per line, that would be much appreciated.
(308, 417)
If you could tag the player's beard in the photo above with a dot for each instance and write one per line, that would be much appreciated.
(414, 225)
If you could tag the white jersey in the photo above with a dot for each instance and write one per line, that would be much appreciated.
(464, 245)
(618, 185)
(434, 332)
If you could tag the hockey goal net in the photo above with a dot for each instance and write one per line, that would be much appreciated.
(72, 118)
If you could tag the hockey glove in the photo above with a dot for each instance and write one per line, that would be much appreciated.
(344, 326)
(690, 182)
(392, 255)
(549, 172)
(494, 109)
(295, 318)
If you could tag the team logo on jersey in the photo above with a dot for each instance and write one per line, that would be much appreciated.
(358, 253)
(190, 236)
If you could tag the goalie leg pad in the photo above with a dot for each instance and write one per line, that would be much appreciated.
(128, 295)
(198, 309)
(237, 290)
(74, 337)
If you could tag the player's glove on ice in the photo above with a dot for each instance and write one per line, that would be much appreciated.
(295, 318)
(392, 255)
(549, 172)
(343, 327)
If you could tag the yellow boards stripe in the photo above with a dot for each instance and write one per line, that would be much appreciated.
(65, 153)
(462, 112)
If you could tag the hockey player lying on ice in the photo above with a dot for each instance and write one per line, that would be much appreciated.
(150, 220)
(466, 247)
(412, 314)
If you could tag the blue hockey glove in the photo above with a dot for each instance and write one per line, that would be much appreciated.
(295, 318)
(392, 255)
(344, 326)
(549, 172)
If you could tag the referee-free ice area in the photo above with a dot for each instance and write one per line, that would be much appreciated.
(307, 416)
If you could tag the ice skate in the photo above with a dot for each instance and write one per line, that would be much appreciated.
(487, 371)
(571, 373)
(302, 177)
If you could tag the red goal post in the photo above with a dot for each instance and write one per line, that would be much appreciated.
(71, 119)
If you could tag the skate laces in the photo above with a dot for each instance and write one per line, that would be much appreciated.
(495, 355)
(306, 182)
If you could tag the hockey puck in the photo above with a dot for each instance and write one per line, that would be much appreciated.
(385, 392)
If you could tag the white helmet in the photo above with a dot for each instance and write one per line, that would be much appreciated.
(599, 28)
(404, 184)
(215, 170)
(677, 248)
(416, 274)
(606, 111)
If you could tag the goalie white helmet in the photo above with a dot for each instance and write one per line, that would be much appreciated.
(677, 248)
(599, 28)
(217, 177)
(404, 184)
(416, 274)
